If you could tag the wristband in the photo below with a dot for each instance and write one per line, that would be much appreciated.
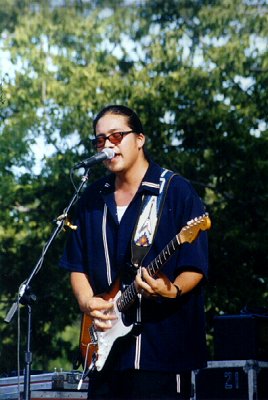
(178, 290)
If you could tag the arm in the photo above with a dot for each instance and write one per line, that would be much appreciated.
(162, 286)
(81, 289)
(96, 307)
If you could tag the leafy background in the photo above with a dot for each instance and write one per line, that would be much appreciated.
(196, 72)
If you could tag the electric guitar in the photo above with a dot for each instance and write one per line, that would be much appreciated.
(95, 346)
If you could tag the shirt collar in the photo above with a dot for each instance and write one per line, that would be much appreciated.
(150, 182)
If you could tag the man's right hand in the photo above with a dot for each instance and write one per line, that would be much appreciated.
(101, 312)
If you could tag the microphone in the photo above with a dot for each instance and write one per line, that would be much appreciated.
(96, 159)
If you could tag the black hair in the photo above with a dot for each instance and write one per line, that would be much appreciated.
(133, 119)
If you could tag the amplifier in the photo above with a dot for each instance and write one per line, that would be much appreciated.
(241, 337)
(233, 380)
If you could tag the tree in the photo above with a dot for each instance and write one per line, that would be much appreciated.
(196, 72)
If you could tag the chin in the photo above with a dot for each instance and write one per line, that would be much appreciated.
(114, 165)
(114, 168)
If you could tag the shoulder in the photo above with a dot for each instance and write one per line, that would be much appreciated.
(181, 192)
(178, 183)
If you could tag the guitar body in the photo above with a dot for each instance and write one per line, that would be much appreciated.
(95, 346)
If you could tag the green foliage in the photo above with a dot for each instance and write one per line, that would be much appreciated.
(196, 72)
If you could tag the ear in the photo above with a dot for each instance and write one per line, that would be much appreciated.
(140, 140)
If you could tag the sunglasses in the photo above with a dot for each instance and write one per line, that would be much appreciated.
(115, 138)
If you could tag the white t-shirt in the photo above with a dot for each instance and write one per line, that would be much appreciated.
(120, 212)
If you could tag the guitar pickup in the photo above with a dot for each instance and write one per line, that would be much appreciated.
(93, 335)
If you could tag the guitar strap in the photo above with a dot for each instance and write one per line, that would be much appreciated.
(144, 232)
(148, 220)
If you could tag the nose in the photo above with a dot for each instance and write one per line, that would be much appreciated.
(108, 144)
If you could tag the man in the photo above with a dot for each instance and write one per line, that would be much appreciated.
(156, 360)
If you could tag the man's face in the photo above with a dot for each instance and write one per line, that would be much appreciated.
(127, 152)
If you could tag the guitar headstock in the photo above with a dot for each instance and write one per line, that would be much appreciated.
(190, 231)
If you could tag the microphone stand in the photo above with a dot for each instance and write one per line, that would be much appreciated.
(25, 295)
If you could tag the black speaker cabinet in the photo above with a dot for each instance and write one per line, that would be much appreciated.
(241, 337)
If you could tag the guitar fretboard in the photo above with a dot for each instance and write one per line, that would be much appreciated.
(129, 295)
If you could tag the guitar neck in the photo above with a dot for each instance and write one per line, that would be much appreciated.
(129, 295)
(164, 256)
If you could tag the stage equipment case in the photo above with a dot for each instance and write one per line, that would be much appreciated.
(233, 380)
(57, 385)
